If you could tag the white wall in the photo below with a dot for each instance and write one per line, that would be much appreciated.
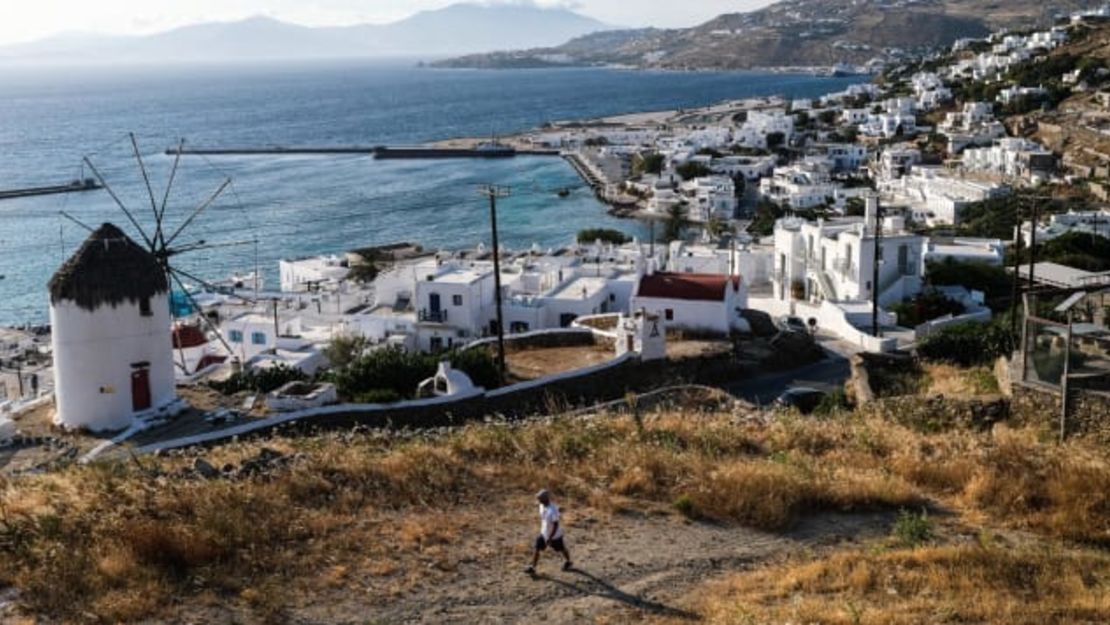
(93, 356)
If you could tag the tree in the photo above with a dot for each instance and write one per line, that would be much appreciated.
(605, 235)
(343, 349)
(716, 226)
(677, 220)
(692, 169)
(651, 163)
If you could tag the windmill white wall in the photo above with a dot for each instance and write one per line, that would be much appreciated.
(111, 333)
(96, 355)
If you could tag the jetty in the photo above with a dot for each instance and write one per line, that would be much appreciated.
(622, 205)
(377, 151)
(75, 186)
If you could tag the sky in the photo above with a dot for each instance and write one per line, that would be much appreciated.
(27, 20)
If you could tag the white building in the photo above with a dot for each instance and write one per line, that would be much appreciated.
(937, 197)
(834, 261)
(257, 341)
(1014, 158)
(710, 197)
(894, 163)
(804, 184)
(847, 157)
(110, 314)
(312, 273)
(974, 125)
(750, 167)
(1087, 222)
(709, 303)
(751, 263)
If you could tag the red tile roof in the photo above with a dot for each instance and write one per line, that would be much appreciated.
(688, 286)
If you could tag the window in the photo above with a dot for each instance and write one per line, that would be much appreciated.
(669, 314)
(436, 344)
(456, 300)
(144, 307)
(235, 336)
(518, 327)
(258, 338)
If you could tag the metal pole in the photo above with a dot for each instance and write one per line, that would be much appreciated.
(1016, 290)
(1064, 383)
(875, 272)
(276, 331)
(1033, 242)
(493, 192)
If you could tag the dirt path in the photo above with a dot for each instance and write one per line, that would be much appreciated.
(626, 565)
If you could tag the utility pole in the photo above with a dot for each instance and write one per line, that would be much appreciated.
(876, 332)
(493, 192)
(1015, 291)
(1033, 241)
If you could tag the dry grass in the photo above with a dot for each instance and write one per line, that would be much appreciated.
(948, 584)
(122, 543)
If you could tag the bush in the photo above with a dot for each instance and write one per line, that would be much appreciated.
(692, 169)
(995, 282)
(913, 529)
(968, 344)
(605, 235)
(927, 306)
(259, 380)
(393, 374)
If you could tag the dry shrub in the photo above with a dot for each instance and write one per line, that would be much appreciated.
(925, 585)
(419, 531)
(758, 494)
(169, 549)
(1062, 491)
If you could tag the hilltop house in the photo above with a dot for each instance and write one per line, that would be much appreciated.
(937, 197)
(693, 302)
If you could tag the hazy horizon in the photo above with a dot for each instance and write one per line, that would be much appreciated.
(48, 18)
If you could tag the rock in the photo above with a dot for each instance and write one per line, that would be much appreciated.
(205, 469)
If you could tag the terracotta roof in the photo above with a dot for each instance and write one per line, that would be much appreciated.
(688, 286)
(187, 336)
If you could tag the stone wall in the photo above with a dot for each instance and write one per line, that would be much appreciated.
(935, 414)
(1039, 406)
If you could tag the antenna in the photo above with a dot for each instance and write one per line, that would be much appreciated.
(493, 192)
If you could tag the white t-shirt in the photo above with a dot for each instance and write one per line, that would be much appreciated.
(549, 515)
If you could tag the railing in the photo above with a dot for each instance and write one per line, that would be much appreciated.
(433, 316)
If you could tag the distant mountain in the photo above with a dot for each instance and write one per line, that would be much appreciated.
(792, 33)
(456, 29)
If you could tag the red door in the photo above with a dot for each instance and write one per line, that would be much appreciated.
(140, 390)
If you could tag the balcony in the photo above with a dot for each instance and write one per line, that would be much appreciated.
(432, 316)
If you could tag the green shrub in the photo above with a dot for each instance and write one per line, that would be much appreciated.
(394, 374)
(913, 529)
(259, 380)
(685, 506)
(968, 344)
(605, 235)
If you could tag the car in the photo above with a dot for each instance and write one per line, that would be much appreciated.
(803, 398)
(788, 323)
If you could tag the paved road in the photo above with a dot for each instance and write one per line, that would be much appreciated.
(825, 375)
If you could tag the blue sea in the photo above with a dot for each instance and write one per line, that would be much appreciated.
(283, 206)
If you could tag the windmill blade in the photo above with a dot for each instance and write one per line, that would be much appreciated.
(77, 221)
(208, 285)
(204, 318)
(196, 213)
(158, 234)
(146, 178)
(204, 245)
(130, 217)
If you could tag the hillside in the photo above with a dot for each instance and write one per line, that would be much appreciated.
(456, 29)
(688, 514)
(793, 33)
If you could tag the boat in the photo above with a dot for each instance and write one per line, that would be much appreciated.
(564, 192)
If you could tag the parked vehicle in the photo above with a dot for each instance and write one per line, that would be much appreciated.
(789, 323)
(803, 398)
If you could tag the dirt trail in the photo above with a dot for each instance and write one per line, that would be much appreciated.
(627, 564)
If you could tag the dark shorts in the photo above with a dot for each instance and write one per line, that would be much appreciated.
(555, 543)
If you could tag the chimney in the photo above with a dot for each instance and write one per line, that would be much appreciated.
(871, 212)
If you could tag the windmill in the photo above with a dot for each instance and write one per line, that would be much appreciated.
(164, 242)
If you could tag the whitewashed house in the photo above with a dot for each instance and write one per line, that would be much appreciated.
(935, 196)
(710, 197)
(805, 184)
(1013, 158)
(110, 317)
(709, 303)
(312, 273)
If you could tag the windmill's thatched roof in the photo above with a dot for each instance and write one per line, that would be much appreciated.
(109, 268)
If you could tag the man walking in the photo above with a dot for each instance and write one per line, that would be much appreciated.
(551, 533)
